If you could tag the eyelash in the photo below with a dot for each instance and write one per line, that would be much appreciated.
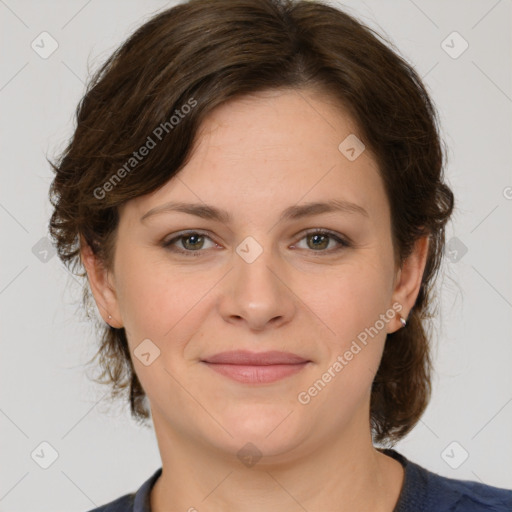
(344, 243)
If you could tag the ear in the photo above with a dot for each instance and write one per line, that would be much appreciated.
(408, 281)
(101, 287)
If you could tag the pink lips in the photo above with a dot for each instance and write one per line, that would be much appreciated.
(256, 368)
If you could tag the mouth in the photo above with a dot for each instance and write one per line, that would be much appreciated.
(256, 368)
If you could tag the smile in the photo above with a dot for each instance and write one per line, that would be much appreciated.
(257, 374)
(256, 368)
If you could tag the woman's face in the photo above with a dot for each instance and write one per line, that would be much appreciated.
(257, 280)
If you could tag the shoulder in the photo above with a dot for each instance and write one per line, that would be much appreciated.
(426, 491)
(134, 502)
(469, 496)
(122, 504)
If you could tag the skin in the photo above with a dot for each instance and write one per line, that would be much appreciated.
(254, 157)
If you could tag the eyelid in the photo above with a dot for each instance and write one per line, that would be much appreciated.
(343, 241)
(182, 234)
(334, 234)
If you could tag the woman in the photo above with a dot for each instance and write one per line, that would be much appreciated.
(255, 191)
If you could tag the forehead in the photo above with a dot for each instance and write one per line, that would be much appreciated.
(270, 150)
(279, 125)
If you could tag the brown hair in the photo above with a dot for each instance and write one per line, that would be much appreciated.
(205, 52)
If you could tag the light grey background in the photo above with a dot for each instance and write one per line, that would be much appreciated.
(45, 394)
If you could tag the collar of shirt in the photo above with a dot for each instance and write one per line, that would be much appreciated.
(422, 491)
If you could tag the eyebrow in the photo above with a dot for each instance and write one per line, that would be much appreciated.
(292, 213)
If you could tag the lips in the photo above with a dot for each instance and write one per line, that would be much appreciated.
(242, 357)
(254, 367)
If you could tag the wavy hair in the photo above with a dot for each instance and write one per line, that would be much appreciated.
(213, 51)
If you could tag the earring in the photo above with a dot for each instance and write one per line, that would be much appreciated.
(109, 317)
(403, 321)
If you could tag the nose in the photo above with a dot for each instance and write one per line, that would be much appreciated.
(257, 294)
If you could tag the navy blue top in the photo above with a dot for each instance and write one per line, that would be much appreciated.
(422, 491)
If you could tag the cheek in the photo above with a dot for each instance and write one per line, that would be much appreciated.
(146, 294)
(160, 301)
(352, 350)
(352, 306)
(353, 299)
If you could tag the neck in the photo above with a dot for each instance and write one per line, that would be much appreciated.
(345, 474)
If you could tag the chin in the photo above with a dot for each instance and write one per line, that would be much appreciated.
(273, 430)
